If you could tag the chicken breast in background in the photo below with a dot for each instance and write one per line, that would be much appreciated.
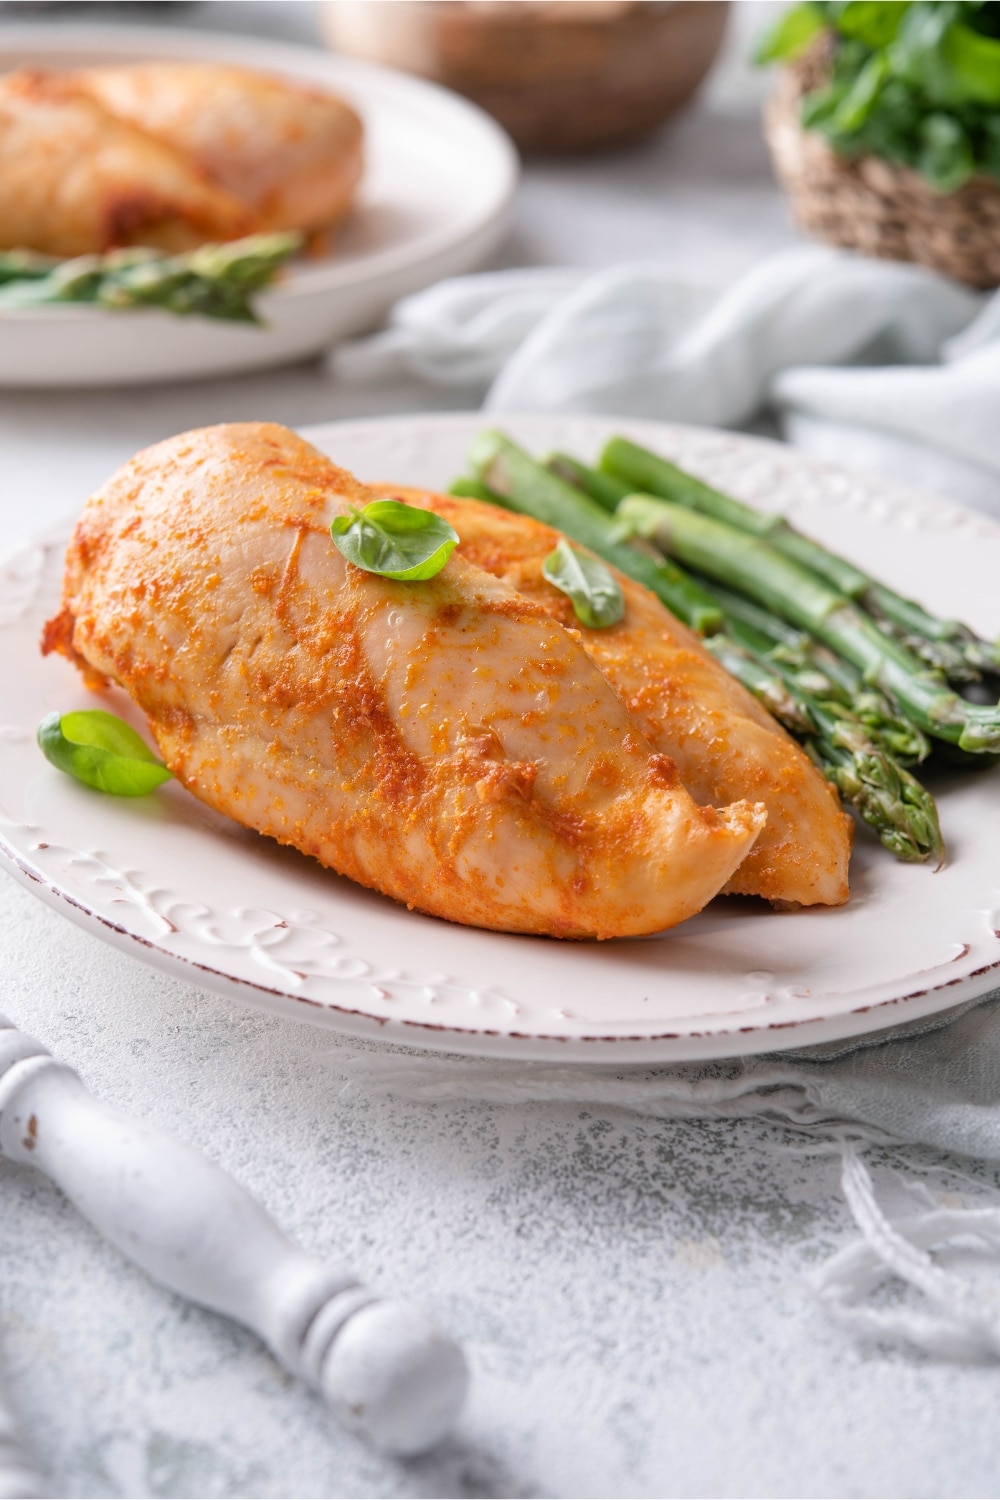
(725, 745)
(291, 154)
(75, 180)
(446, 742)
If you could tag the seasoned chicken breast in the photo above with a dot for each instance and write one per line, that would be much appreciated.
(725, 745)
(291, 154)
(75, 180)
(448, 742)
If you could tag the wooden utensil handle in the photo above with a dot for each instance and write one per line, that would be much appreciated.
(190, 1226)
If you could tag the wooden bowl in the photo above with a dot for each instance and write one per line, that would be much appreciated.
(561, 76)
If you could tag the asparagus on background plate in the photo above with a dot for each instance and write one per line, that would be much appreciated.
(214, 281)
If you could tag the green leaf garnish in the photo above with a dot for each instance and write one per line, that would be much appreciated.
(596, 598)
(395, 540)
(102, 751)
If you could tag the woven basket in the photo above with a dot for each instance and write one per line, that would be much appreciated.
(870, 205)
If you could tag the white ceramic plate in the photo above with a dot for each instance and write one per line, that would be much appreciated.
(194, 894)
(438, 182)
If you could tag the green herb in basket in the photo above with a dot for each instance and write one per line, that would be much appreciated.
(917, 84)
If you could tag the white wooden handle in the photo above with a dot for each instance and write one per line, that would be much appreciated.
(384, 1367)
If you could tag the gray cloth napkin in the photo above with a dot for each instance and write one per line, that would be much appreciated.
(934, 1082)
(885, 366)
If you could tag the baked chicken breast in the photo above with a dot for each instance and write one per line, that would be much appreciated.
(76, 180)
(291, 154)
(725, 745)
(448, 743)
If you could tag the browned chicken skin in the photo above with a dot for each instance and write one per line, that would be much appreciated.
(725, 745)
(448, 743)
(171, 155)
(75, 180)
(291, 154)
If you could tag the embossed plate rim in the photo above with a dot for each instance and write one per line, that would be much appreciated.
(709, 1034)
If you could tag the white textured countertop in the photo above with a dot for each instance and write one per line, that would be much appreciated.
(633, 1295)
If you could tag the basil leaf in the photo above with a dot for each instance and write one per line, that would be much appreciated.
(102, 751)
(946, 158)
(891, 131)
(974, 63)
(395, 540)
(918, 54)
(821, 105)
(856, 105)
(597, 600)
(790, 34)
(874, 22)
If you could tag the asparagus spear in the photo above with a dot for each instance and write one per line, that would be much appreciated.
(214, 281)
(529, 487)
(24, 265)
(885, 795)
(857, 747)
(766, 686)
(959, 651)
(818, 671)
(76, 280)
(775, 580)
(603, 488)
(889, 798)
(859, 751)
(961, 661)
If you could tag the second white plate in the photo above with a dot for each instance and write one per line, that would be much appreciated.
(439, 179)
(190, 892)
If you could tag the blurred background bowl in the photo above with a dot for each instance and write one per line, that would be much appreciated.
(560, 76)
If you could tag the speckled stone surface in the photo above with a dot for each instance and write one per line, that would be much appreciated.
(633, 1295)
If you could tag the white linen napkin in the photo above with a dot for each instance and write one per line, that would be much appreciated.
(881, 365)
(933, 1082)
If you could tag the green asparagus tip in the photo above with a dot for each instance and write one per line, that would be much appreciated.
(981, 737)
(263, 250)
(886, 797)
